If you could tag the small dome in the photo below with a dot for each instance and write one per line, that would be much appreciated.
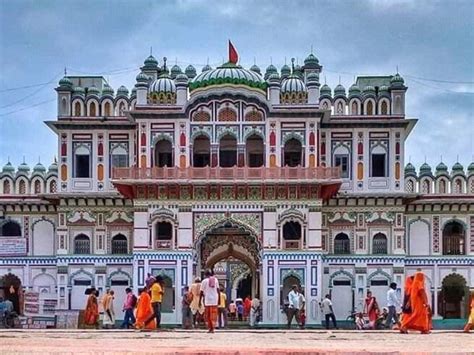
(151, 62)
(311, 60)
(397, 81)
(23, 168)
(325, 90)
(163, 84)
(181, 78)
(256, 69)
(122, 91)
(441, 168)
(8, 168)
(369, 90)
(457, 169)
(142, 77)
(79, 90)
(274, 78)
(53, 167)
(207, 67)
(410, 169)
(92, 90)
(107, 90)
(175, 70)
(65, 82)
(425, 169)
(133, 93)
(39, 168)
(470, 169)
(270, 70)
(285, 71)
(190, 71)
(340, 91)
(384, 91)
(293, 84)
(354, 91)
(312, 78)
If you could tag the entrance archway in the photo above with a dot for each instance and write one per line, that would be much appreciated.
(11, 289)
(454, 297)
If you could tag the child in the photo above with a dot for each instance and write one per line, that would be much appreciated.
(240, 311)
(470, 322)
(302, 318)
(359, 321)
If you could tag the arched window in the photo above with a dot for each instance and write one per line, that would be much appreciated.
(163, 153)
(37, 187)
(369, 108)
(253, 116)
(118, 155)
(53, 186)
(227, 115)
(354, 108)
(201, 151)
(457, 186)
(6, 187)
(201, 116)
(107, 109)
(340, 108)
(82, 160)
(22, 187)
(410, 186)
(442, 186)
(379, 244)
(293, 153)
(378, 162)
(11, 229)
(119, 244)
(77, 108)
(454, 242)
(122, 109)
(255, 151)
(92, 109)
(384, 108)
(292, 235)
(64, 106)
(164, 235)
(342, 244)
(426, 186)
(342, 158)
(228, 151)
(82, 244)
(398, 105)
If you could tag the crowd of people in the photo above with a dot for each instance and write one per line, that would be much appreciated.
(205, 302)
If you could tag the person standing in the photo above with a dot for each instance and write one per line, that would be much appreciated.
(247, 306)
(302, 315)
(186, 308)
(371, 309)
(232, 310)
(293, 305)
(128, 306)
(91, 313)
(470, 321)
(210, 293)
(144, 311)
(222, 310)
(392, 303)
(418, 318)
(157, 293)
(149, 281)
(254, 311)
(327, 310)
(109, 314)
(197, 309)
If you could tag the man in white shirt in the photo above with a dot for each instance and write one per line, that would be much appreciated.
(294, 305)
(326, 309)
(392, 303)
(210, 293)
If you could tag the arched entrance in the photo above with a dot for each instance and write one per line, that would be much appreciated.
(11, 289)
(454, 297)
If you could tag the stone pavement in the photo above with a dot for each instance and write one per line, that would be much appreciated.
(236, 342)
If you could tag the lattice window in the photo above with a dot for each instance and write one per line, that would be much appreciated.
(22, 187)
(6, 187)
(425, 187)
(457, 188)
(342, 244)
(227, 115)
(253, 115)
(82, 244)
(471, 186)
(53, 187)
(201, 116)
(379, 244)
(409, 187)
(119, 244)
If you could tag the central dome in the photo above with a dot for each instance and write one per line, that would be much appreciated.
(228, 73)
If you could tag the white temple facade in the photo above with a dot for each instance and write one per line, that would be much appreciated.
(268, 178)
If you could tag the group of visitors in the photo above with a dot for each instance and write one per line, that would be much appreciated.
(7, 313)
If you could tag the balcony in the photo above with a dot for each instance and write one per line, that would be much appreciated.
(218, 174)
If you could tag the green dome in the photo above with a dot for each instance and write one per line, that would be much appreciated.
(93, 91)
(23, 168)
(312, 78)
(339, 91)
(285, 71)
(311, 60)
(425, 169)
(457, 169)
(273, 79)
(256, 69)
(53, 167)
(369, 90)
(270, 70)
(470, 169)
(354, 90)
(228, 74)
(133, 93)
(151, 62)
(181, 78)
(325, 90)
(39, 168)
(397, 81)
(142, 77)
(65, 82)
(175, 70)
(78, 90)
(441, 168)
(8, 168)
(107, 90)
(207, 67)
(190, 71)
(122, 91)
(410, 169)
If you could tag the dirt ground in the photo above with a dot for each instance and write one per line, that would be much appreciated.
(236, 342)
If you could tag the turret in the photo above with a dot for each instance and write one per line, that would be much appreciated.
(312, 83)
(64, 91)
(274, 88)
(181, 89)
(142, 88)
(398, 89)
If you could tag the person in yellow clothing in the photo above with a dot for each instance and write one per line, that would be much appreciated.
(222, 309)
(157, 292)
(470, 322)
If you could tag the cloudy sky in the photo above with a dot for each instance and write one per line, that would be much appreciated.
(431, 42)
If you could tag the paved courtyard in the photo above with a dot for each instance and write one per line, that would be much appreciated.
(243, 342)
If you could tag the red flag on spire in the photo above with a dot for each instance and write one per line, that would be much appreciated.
(233, 55)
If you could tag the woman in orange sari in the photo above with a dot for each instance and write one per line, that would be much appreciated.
(144, 311)
(417, 314)
(91, 313)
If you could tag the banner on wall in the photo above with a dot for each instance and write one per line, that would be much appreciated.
(12, 246)
(31, 300)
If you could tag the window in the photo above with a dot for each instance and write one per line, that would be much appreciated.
(52, 186)
(378, 162)
(409, 187)
(379, 244)
(293, 153)
(82, 160)
(11, 229)
(378, 282)
(164, 153)
(341, 282)
(370, 108)
(384, 108)
(122, 109)
(92, 109)
(355, 108)
(6, 186)
(457, 188)
(118, 155)
(426, 186)
(107, 109)
(22, 187)
(119, 244)
(227, 115)
(77, 108)
(82, 244)
(201, 152)
(292, 235)
(442, 186)
(228, 151)
(342, 161)
(454, 239)
(255, 151)
(164, 235)
(37, 187)
(342, 244)
(201, 116)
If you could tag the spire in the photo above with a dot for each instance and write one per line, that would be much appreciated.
(311, 49)
(164, 63)
(292, 65)
(65, 71)
(151, 50)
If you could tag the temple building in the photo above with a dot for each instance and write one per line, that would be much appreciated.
(269, 178)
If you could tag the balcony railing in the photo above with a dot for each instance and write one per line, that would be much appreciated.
(227, 174)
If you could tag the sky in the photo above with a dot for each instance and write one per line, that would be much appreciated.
(431, 43)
